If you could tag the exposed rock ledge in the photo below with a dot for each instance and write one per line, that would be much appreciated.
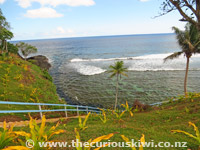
(41, 61)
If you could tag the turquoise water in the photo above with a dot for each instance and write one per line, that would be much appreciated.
(80, 68)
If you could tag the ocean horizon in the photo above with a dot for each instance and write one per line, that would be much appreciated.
(80, 65)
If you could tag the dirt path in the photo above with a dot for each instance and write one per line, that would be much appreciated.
(26, 123)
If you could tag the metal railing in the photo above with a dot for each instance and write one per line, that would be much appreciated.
(73, 108)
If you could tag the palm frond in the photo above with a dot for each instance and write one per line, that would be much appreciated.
(118, 69)
(124, 74)
(172, 56)
(112, 75)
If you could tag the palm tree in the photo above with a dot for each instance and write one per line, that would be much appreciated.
(117, 70)
(189, 41)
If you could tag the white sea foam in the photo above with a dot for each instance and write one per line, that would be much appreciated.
(87, 69)
(153, 62)
(156, 63)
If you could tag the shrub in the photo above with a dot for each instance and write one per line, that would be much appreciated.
(12, 48)
(47, 76)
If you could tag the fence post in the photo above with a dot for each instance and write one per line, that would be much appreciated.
(87, 109)
(65, 111)
(77, 111)
(40, 111)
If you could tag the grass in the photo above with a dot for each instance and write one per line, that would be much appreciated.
(156, 124)
(22, 81)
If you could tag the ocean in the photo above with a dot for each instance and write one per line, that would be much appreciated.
(80, 65)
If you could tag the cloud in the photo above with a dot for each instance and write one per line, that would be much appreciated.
(59, 32)
(24, 3)
(54, 3)
(43, 12)
(2, 1)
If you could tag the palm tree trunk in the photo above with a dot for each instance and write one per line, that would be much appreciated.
(186, 76)
(117, 84)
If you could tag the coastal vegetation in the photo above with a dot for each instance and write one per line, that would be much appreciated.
(26, 49)
(117, 70)
(5, 33)
(189, 41)
(22, 81)
(188, 9)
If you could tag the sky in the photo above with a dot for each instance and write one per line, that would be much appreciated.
(43, 19)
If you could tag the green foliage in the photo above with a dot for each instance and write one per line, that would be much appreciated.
(189, 40)
(6, 136)
(128, 109)
(103, 118)
(47, 76)
(82, 125)
(91, 143)
(39, 133)
(118, 69)
(5, 33)
(12, 48)
(26, 49)
(119, 115)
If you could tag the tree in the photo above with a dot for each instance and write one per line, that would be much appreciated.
(26, 49)
(12, 48)
(5, 33)
(117, 70)
(189, 43)
(4, 36)
(189, 10)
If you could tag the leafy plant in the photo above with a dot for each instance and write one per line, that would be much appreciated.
(103, 119)
(91, 142)
(82, 125)
(39, 133)
(7, 136)
(119, 115)
(127, 108)
(197, 137)
(142, 142)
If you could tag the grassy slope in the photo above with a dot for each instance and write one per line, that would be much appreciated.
(156, 124)
(21, 81)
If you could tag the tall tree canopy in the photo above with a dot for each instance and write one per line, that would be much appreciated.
(189, 10)
(5, 33)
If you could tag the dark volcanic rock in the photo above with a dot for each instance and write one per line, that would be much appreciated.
(40, 61)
